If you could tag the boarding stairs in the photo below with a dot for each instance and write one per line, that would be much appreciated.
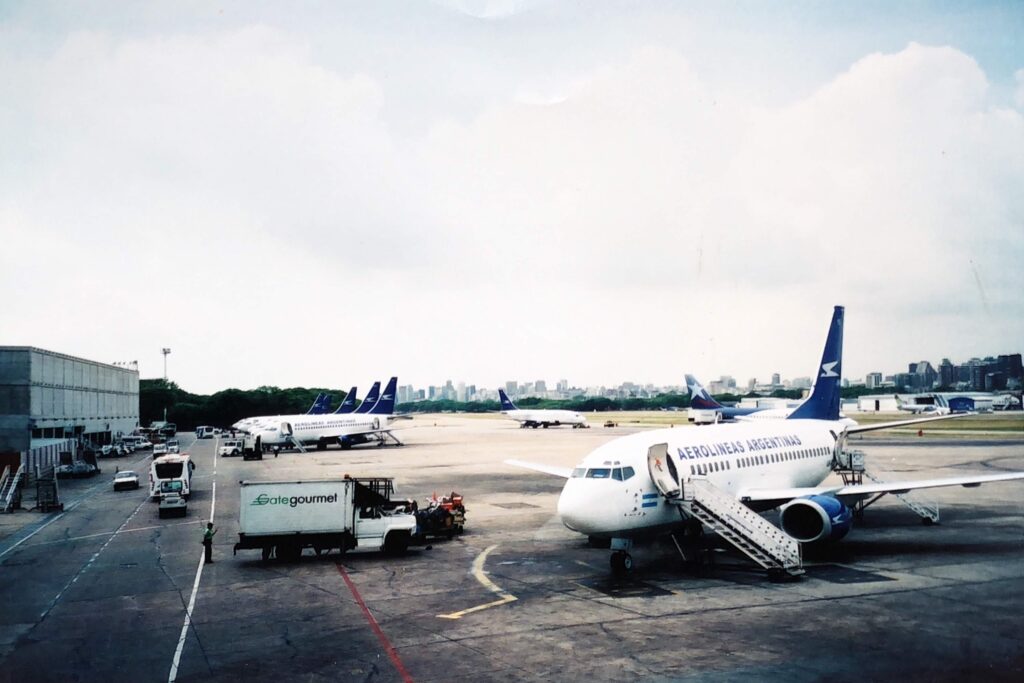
(850, 465)
(747, 531)
(296, 444)
(10, 489)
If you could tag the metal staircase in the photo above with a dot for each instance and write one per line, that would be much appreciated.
(296, 444)
(850, 466)
(749, 532)
(10, 491)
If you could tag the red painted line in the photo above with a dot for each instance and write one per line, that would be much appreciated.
(388, 647)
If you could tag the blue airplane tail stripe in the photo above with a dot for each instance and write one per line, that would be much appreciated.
(386, 404)
(371, 399)
(823, 403)
(317, 405)
(349, 404)
(506, 402)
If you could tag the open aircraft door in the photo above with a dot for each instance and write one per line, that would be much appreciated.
(663, 470)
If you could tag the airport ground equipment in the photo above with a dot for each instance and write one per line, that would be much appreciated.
(230, 447)
(442, 517)
(10, 488)
(47, 491)
(746, 530)
(281, 518)
(850, 465)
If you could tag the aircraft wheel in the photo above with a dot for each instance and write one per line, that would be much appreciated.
(622, 563)
(545, 425)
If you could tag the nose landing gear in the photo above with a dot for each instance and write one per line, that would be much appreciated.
(622, 563)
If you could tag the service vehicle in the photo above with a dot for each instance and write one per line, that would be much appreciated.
(281, 518)
(126, 479)
(159, 449)
(172, 446)
(171, 468)
(704, 416)
(445, 516)
(205, 432)
(172, 502)
(230, 447)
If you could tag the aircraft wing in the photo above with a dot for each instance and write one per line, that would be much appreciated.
(857, 429)
(861, 491)
(563, 472)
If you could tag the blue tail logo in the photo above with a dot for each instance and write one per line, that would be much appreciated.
(370, 400)
(506, 402)
(318, 404)
(823, 403)
(386, 404)
(349, 404)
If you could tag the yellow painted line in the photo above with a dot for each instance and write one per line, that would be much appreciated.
(478, 572)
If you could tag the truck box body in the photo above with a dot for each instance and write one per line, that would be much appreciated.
(283, 517)
(291, 507)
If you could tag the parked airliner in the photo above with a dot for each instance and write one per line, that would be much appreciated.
(346, 430)
(623, 490)
(939, 407)
(321, 405)
(700, 399)
(540, 418)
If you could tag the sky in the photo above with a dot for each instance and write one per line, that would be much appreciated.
(331, 193)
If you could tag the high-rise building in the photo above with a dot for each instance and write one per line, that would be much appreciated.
(947, 373)
(873, 380)
(512, 389)
(540, 386)
(776, 379)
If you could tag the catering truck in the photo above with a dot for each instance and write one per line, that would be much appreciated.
(281, 518)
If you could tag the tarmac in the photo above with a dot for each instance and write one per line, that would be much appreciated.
(107, 591)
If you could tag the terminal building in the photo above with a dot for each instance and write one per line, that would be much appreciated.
(52, 403)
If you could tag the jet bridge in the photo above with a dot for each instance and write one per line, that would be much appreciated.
(746, 530)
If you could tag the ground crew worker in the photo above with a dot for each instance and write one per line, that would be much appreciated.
(208, 542)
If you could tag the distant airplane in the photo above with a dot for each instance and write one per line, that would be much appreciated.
(678, 480)
(540, 418)
(700, 399)
(321, 402)
(940, 407)
(347, 430)
(349, 404)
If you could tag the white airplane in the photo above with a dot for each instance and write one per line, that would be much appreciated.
(940, 407)
(540, 418)
(629, 488)
(346, 429)
(321, 405)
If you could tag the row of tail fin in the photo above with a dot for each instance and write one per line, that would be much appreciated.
(375, 402)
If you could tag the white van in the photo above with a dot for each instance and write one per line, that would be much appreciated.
(205, 432)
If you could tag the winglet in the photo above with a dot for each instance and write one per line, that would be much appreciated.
(823, 403)
(371, 399)
(506, 402)
(699, 396)
(386, 404)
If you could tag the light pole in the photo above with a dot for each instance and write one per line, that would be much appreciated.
(165, 352)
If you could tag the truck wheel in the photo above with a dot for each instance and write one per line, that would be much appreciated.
(396, 543)
(268, 550)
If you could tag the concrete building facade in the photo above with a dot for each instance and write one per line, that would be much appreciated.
(47, 396)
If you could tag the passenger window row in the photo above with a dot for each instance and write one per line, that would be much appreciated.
(755, 460)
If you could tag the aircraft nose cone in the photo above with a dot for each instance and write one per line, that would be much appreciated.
(578, 510)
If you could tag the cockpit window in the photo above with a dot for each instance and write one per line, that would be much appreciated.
(599, 473)
(617, 474)
(579, 472)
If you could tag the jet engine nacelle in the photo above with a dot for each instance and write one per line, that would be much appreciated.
(816, 518)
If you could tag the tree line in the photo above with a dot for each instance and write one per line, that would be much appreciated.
(224, 408)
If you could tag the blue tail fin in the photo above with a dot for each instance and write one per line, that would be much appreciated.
(386, 404)
(370, 400)
(349, 404)
(317, 403)
(506, 402)
(326, 407)
(823, 403)
(699, 396)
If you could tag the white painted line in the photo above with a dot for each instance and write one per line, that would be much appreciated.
(74, 579)
(113, 533)
(173, 674)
